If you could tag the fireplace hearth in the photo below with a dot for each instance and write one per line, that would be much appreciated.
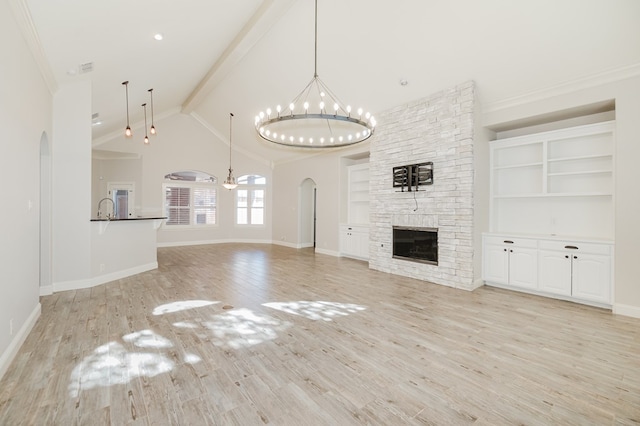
(415, 244)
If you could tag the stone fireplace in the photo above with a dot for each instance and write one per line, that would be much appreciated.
(440, 129)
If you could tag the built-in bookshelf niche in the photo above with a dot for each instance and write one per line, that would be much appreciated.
(555, 183)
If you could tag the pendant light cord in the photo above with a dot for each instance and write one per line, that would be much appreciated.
(230, 138)
(315, 64)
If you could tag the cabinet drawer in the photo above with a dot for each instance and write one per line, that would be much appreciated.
(354, 228)
(592, 248)
(516, 242)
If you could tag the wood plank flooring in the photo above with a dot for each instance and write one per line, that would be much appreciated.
(240, 334)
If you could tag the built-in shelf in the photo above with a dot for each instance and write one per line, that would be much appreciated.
(518, 166)
(358, 193)
(554, 182)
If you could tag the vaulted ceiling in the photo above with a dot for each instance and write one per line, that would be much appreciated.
(240, 56)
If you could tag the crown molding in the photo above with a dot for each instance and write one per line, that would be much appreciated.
(23, 18)
(564, 88)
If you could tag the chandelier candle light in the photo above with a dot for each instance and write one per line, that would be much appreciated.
(315, 118)
(230, 182)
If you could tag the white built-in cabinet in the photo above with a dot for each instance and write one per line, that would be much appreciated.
(511, 261)
(354, 241)
(354, 235)
(552, 213)
(577, 269)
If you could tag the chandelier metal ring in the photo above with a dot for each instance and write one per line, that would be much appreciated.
(316, 118)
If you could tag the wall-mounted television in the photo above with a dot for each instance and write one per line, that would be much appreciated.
(412, 176)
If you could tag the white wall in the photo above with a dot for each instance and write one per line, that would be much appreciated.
(72, 185)
(182, 143)
(626, 93)
(326, 171)
(25, 115)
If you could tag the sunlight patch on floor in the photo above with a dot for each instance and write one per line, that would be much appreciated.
(112, 364)
(181, 305)
(241, 328)
(147, 339)
(318, 310)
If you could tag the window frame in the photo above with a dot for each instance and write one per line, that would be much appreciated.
(250, 187)
(192, 186)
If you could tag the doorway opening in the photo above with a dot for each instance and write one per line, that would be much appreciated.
(307, 214)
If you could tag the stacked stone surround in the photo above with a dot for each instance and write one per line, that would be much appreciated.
(439, 129)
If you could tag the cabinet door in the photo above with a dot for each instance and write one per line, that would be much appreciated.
(554, 272)
(362, 244)
(592, 277)
(523, 267)
(347, 243)
(496, 264)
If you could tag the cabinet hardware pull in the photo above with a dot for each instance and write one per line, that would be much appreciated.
(575, 257)
(566, 257)
(571, 247)
(508, 242)
(510, 251)
(505, 249)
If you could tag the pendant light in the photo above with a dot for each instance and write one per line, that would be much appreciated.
(152, 130)
(146, 138)
(230, 182)
(127, 131)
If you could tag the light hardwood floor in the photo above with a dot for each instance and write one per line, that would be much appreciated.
(254, 334)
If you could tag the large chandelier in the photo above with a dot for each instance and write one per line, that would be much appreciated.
(316, 118)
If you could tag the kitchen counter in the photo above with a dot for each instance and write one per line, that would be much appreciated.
(104, 219)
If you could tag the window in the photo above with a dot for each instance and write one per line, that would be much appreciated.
(250, 196)
(190, 199)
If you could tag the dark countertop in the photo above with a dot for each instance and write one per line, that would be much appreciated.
(104, 219)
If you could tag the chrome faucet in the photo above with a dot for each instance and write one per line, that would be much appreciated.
(111, 215)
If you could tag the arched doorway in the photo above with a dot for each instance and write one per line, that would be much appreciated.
(45, 215)
(307, 211)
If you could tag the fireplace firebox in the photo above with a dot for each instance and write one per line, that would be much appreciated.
(416, 244)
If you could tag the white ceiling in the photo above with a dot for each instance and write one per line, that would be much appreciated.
(240, 56)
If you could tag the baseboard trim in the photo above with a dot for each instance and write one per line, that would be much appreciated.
(286, 244)
(207, 242)
(100, 279)
(327, 252)
(10, 353)
(626, 310)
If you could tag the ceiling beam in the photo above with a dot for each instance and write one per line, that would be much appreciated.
(269, 12)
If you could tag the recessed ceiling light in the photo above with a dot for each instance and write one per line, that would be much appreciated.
(158, 36)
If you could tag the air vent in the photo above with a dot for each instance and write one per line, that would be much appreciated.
(86, 67)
